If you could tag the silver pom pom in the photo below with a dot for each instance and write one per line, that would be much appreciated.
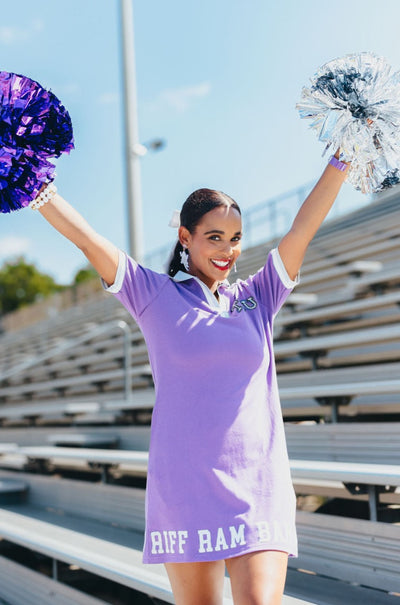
(354, 106)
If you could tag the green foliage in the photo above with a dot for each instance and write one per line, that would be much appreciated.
(86, 274)
(21, 284)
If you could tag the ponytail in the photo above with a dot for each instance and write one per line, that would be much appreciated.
(175, 264)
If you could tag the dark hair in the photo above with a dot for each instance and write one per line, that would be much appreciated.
(195, 207)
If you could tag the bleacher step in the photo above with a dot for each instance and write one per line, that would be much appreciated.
(327, 591)
(12, 491)
(19, 585)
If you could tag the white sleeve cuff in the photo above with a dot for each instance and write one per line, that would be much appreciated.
(119, 278)
(281, 270)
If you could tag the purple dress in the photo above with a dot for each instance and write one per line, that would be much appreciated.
(218, 482)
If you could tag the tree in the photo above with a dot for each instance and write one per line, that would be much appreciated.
(86, 274)
(21, 284)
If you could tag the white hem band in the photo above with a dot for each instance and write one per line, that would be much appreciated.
(281, 270)
(119, 278)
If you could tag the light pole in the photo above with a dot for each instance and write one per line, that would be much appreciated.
(134, 194)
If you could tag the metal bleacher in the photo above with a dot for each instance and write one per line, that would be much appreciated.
(374, 477)
(75, 431)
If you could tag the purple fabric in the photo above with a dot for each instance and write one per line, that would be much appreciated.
(219, 480)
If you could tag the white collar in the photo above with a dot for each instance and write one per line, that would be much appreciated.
(221, 306)
(182, 276)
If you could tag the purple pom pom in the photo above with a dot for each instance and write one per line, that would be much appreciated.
(34, 126)
(22, 174)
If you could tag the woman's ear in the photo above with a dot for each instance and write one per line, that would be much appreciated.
(184, 236)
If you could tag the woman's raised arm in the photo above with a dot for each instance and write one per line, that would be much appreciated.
(101, 253)
(293, 246)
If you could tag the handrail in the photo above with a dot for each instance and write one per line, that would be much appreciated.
(73, 342)
(279, 218)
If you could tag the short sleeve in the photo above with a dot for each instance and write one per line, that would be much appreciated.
(272, 283)
(135, 286)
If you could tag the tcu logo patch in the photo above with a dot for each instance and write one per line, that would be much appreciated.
(248, 304)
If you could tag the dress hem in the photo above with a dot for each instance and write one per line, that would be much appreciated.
(154, 560)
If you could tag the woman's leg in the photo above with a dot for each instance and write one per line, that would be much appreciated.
(258, 578)
(197, 583)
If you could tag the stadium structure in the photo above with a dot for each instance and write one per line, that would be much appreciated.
(76, 397)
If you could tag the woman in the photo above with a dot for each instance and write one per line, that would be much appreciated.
(219, 490)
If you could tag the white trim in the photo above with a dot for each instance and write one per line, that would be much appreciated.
(119, 278)
(221, 307)
(281, 270)
(182, 276)
(211, 299)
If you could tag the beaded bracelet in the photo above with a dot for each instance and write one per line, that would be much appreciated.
(342, 166)
(45, 196)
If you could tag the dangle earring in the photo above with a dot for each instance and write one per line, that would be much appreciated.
(235, 268)
(185, 258)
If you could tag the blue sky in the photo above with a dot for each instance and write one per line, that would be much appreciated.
(217, 79)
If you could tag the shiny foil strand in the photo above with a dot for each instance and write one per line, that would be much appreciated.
(353, 104)
(34, 127)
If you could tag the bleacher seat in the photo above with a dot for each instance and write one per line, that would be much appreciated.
(337, 353)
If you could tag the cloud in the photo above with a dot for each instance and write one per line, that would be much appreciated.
(108, 98)
(12, 245)
(180, 98)
(72, 89)
(10, 34)
(37, 26)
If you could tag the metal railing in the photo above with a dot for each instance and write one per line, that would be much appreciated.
(97, 330)
(261, 222)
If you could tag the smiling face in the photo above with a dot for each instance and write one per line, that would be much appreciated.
(214, 246)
